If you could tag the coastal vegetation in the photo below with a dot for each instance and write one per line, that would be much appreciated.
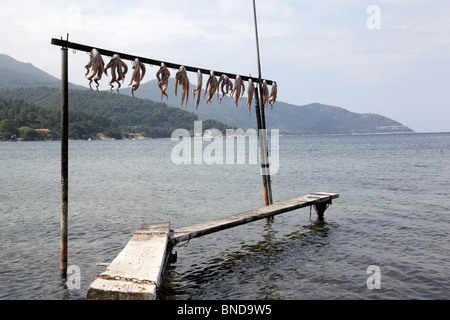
(92, 114)
(27, 121)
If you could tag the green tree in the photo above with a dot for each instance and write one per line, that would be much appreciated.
(114, 132)
(7, 129)
(28, 134)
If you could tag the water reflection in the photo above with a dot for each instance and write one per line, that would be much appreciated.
(252, 270)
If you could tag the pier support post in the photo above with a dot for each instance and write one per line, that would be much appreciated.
(321, 207)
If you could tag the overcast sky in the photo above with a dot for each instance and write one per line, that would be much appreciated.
(390, 57)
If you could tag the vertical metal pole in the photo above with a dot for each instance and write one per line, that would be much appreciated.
(64, 158)
(261, 148)
(260, 115)
(266, 148)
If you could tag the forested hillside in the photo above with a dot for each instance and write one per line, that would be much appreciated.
(27, 121)
(143, 116)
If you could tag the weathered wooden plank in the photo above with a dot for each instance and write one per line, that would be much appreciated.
(200, 229)
(137, 271)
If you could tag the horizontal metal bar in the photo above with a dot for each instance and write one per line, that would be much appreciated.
(85, 48)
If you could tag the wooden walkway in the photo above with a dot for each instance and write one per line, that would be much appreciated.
(319, 200)
(137, 272)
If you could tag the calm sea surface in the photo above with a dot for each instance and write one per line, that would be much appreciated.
(393, 212)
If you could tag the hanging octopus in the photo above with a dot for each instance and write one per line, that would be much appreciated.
(181, 78)
(137, 76)
(198, 88)
(211, 86)
(238, 90)
(116, 65)
(225, 85)
(163, 76)
(273, 95)
(97, 65)
(265, 94)
(250, 92)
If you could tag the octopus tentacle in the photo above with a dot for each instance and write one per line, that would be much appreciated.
(88, 66)
(163, 76)
(265, 93)
(273, 95)
(182, 79)
(97, 64)
(113, 78)
(239, 89)
(250, 92)
(116, 65)
(198, 88)
(225, 86)
(211, 86)
(137, 76)
(122, 71)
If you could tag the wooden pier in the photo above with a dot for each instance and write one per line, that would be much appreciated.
(137, 272)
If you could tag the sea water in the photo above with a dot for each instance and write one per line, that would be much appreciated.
(392, 213)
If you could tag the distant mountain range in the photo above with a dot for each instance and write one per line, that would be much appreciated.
(309, 119)
(15, 74)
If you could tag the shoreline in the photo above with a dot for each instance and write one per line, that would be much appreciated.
(281, 135)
